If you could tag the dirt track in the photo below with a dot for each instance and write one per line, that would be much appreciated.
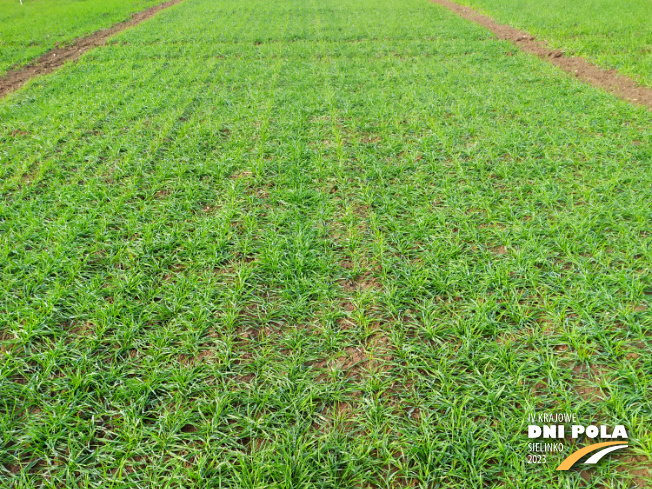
(609, 80)
(50, 61)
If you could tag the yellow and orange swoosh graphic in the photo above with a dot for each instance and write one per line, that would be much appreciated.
(574, 457)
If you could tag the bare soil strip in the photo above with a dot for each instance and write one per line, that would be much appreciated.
(609, 80)
(50, 61)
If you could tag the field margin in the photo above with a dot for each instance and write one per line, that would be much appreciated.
(611, 81)
(55, 58)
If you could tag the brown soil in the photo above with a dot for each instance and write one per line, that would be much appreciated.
(50, 61)
(609, 80)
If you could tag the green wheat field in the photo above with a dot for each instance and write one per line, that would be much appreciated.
(319, 244)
